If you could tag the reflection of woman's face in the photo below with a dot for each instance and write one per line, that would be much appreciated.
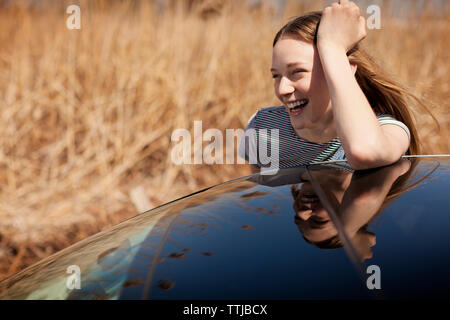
(311, 217)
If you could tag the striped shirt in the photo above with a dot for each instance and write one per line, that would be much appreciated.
(292, 150)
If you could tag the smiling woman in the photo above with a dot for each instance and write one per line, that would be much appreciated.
(337, 103)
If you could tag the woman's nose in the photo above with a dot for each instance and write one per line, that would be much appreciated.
(304, 214)
(285, 86)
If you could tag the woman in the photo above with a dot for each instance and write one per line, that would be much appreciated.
(337, 103)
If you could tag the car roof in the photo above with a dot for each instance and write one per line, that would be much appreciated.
(240, 240)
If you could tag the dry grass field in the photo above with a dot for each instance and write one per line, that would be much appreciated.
(87, 115)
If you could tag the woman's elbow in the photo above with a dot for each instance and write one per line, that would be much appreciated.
(362, 159)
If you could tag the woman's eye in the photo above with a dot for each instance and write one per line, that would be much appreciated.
(274, 76)
(297, 71)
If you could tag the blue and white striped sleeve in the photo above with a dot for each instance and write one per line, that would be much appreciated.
(384, 119)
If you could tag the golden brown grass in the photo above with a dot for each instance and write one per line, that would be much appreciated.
(87, 114)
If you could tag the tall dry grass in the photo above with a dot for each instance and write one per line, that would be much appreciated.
(87, 115)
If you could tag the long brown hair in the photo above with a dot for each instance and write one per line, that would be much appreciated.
(385, 95)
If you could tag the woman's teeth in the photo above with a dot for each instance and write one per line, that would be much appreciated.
(309, 198)
(297, 105)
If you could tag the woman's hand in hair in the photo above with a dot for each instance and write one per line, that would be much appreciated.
(341, 26)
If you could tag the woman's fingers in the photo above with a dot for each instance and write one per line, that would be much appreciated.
(349, 4)
(342, 25)
(346, 3)
(362, 25)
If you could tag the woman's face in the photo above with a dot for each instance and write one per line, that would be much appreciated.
(299, 79)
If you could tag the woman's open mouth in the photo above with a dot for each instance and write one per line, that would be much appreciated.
(309, 198)
(297, 107)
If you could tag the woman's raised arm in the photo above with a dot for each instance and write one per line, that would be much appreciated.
(365, 142)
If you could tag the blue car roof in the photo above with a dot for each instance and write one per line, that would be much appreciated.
(243, 240)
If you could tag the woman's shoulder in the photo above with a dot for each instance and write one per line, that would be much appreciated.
(272, 109)
(387, 119)
(268, 117)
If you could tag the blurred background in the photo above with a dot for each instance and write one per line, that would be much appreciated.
(87, 115)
